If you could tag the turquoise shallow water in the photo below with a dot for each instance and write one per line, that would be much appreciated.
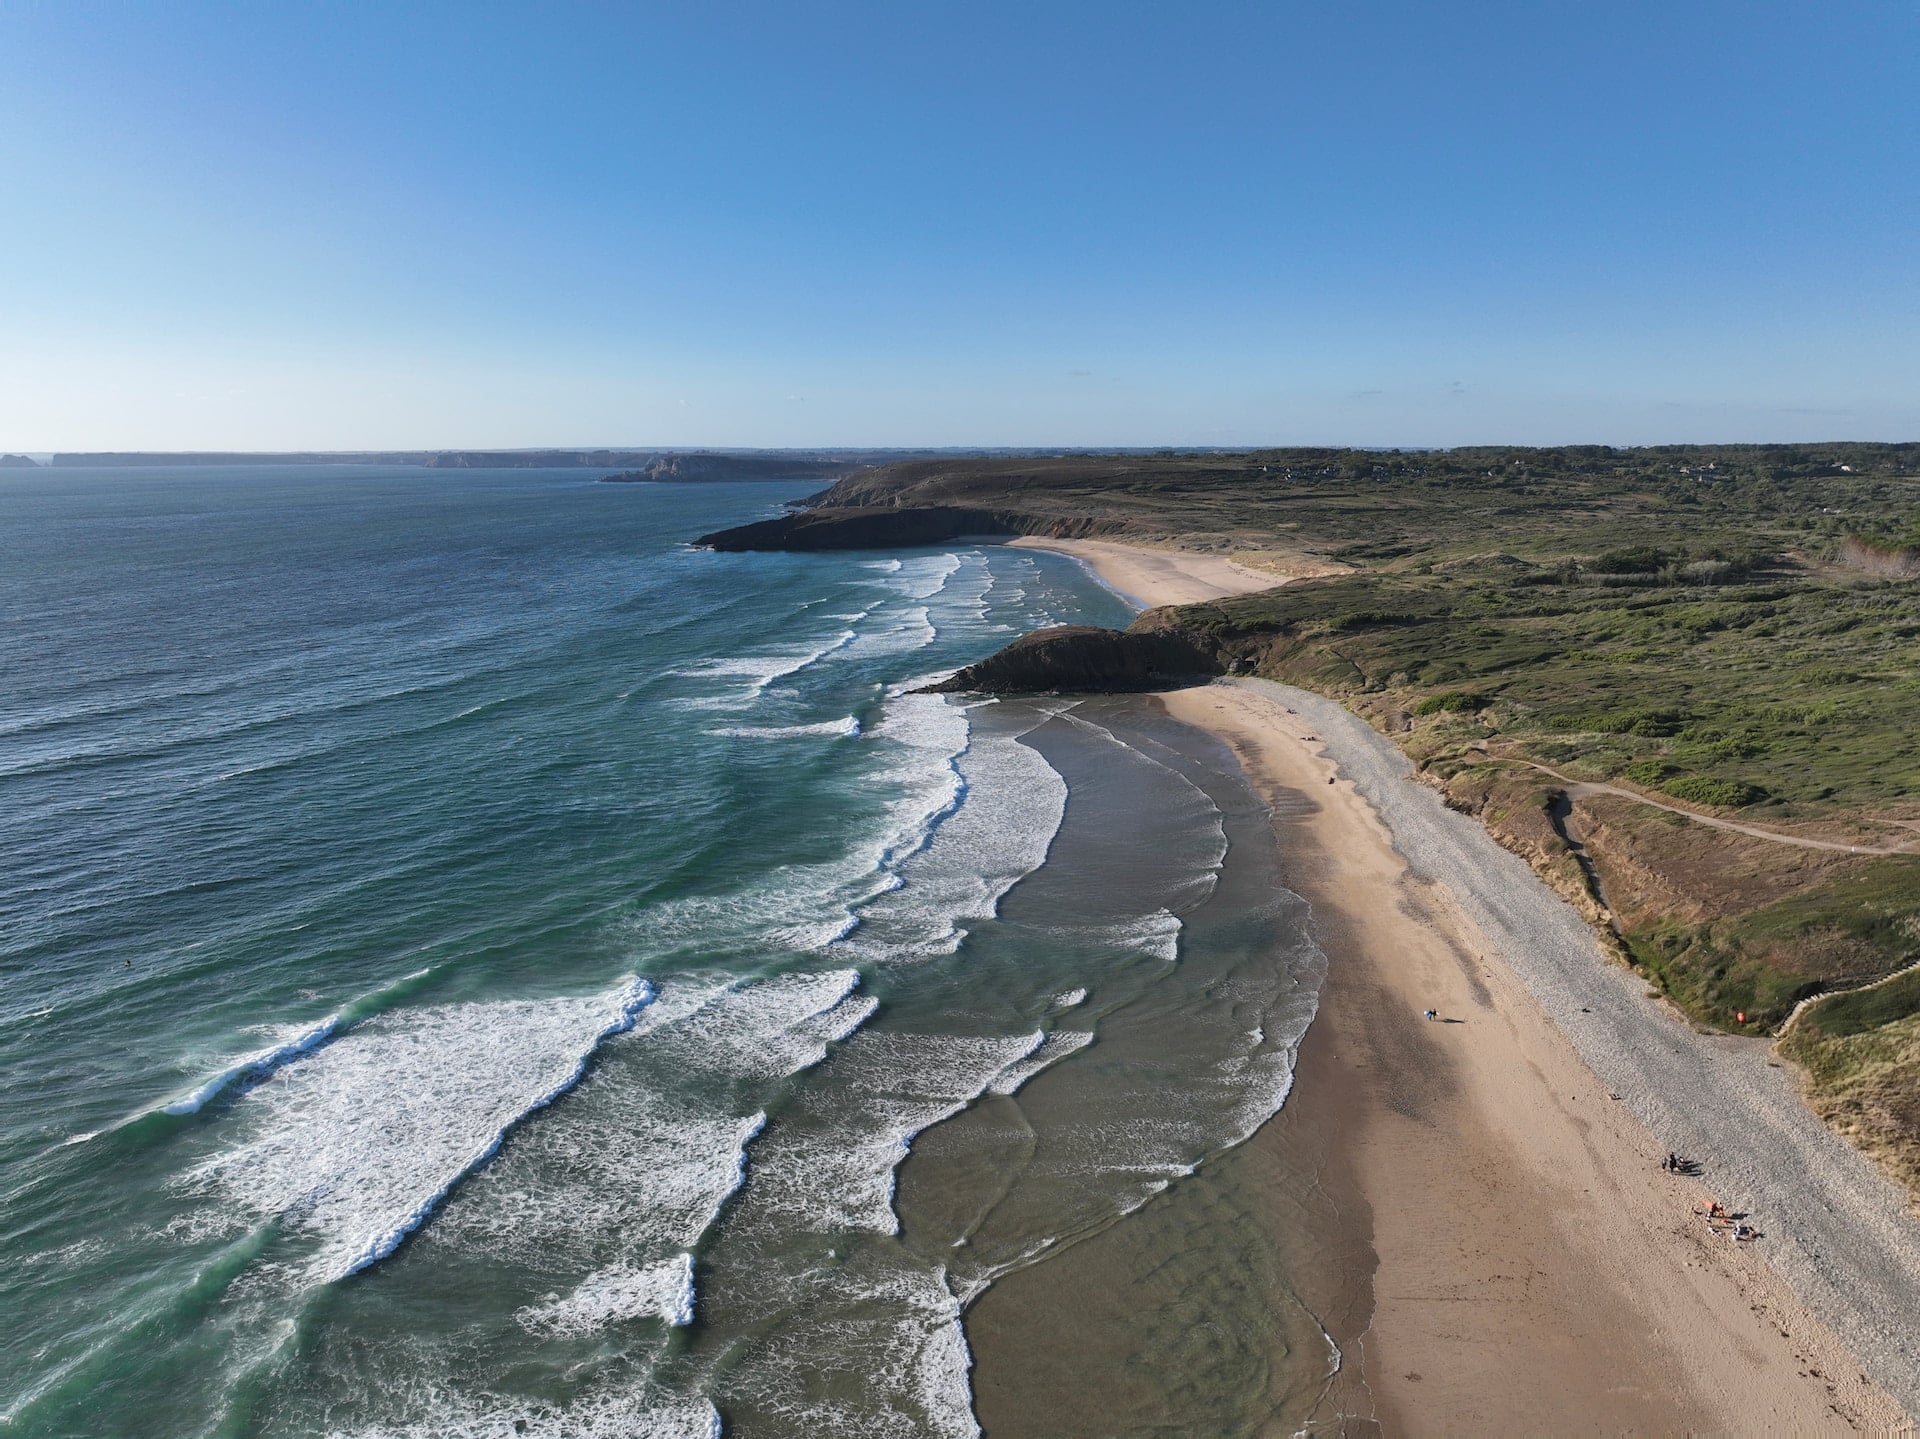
(473, 964)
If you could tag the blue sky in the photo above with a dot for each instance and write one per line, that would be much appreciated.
(341, 225)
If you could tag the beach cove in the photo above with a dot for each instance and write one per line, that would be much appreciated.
(1496, 1242)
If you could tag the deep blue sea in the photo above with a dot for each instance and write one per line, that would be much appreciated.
(473, 964)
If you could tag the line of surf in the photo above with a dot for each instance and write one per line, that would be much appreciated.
(636, 997)
(262, 1064)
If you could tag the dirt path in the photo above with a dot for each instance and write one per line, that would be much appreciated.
(1580, 788)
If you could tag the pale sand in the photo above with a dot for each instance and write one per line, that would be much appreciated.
(1160, 577)
(1537, 1272)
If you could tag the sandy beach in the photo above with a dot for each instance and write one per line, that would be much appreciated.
(1534, 1269)
(1159, 577)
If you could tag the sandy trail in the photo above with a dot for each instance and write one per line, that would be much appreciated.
(1576, 788)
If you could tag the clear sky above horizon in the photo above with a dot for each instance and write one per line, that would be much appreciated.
(1393, 223)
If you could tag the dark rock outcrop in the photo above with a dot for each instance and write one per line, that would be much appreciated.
(1083, 658)
(859, 529)
(18, 462)
(879, 527)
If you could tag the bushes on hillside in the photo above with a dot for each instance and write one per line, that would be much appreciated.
(1721, 793)
(1451, 702)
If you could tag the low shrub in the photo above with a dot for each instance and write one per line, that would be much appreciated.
(1652, 724)
(1371, 619)
(1721, 793)
(1450, 702)
(1649, 772)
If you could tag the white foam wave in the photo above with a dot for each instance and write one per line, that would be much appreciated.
(1056, 1047)
(893, 1086)
(357, 1145)
(762, 670)
(620, 1185)
(797, 907)
(925, 576)
(930, 736)
(849, 727)
(258, 1065)
(903, 632)
(768, 1028)
(1006, 807)
(643, 1415)
(617, 1295)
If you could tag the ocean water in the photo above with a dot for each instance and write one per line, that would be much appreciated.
(471, 964)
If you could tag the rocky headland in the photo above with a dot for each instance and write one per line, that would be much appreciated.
(1079, 659)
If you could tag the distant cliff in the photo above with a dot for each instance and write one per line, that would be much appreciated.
(1083, 658)
(710, 468)
(18, 462)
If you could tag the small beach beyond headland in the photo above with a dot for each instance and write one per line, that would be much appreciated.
(1534, 1265)
(1157, 576)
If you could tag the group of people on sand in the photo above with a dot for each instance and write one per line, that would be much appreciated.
(1715, 1213)
(1721, 1222)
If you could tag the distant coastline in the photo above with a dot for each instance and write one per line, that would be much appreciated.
(826, 462)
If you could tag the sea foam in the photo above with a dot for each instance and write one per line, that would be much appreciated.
(354, 1147)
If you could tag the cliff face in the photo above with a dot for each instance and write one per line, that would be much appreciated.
(1083, 658)
(18, 462)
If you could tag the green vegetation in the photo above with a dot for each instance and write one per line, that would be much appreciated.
(1839, 935)
(1450, 702)
(1721, 793)
(1704, 970)
(1861, 1054)
(1795, 691)
(1857, 1011)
